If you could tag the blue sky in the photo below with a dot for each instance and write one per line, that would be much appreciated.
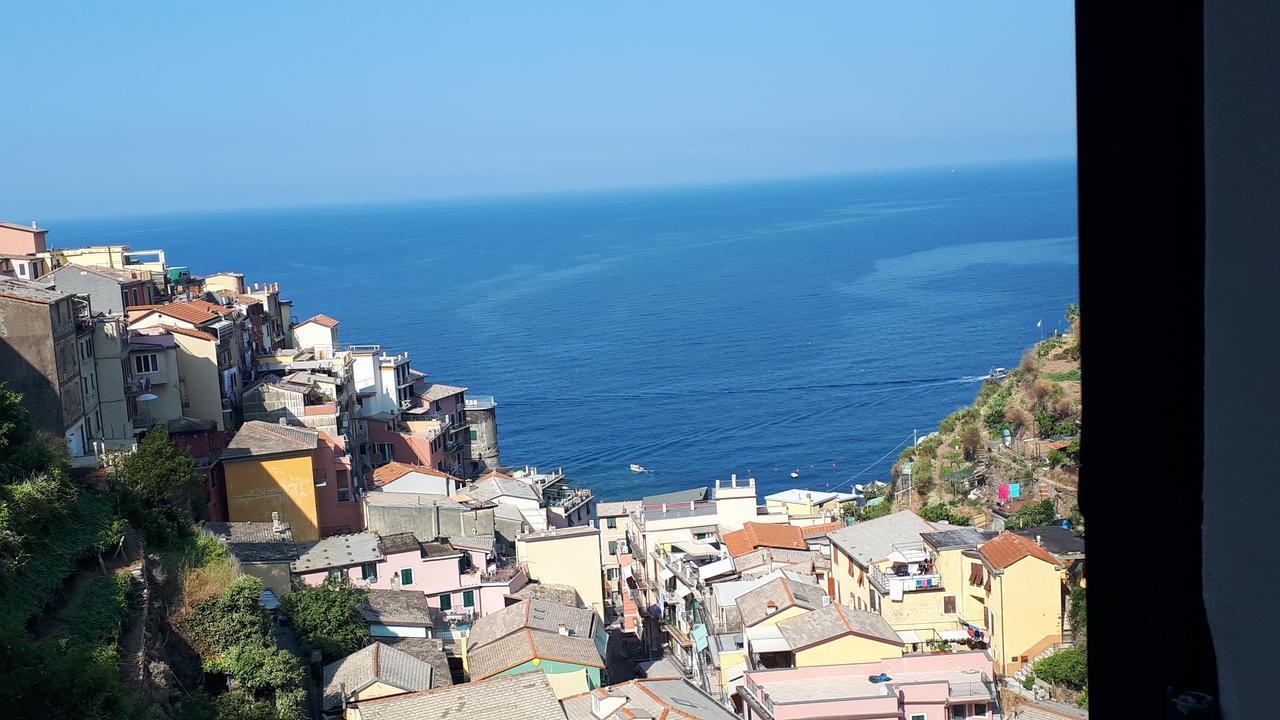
(154, 107)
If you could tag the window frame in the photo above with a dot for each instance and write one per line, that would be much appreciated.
(139, 360)
(468, 598)
(611, 523)
(369, 571)
(402, 572)
(446, 602)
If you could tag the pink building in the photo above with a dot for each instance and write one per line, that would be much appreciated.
(22, 251)
(912, 687)
(456, 579)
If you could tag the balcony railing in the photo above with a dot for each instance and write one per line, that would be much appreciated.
(505, 573)
(977, 690)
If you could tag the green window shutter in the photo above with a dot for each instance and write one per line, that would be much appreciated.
(406, 576)
(367, 571)
(473, 436)
(613, 523)
(468, 598)
(613, 547)
(446, 602)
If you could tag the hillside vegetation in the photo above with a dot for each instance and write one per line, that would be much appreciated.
(953, 474)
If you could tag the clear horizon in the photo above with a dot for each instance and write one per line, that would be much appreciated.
(153, 109)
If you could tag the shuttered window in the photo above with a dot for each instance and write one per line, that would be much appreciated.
(975, 574)
(949, 604)
(446, 602)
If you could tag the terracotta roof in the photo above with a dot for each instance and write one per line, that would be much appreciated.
(393, 471)
(823, 529)
(757, 535)
(1008, 549)
(509, 697)
(188, 312)
(189, 333)
(324, 320)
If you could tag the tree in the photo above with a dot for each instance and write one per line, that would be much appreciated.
(942, 513)
(258, 668)
(871, 512)
(1069, 667)
(1028, 364)
(328, 617)
(1032, 515)
(922, 475)
(21, 451)
(235, 617)
(155, 486)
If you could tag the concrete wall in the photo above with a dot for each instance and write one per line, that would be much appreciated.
(38, 359)
(847, 649)
(314, 335)
(428, 522)
(485, 454)
(256, 488)
(421, 483)
(198, 378)
(114, 425)
(572, 560)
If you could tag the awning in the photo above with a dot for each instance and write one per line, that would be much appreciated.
(684, 590)
(952, 635)
(628, 572)
(665, 574)
(767, 638)
(909, 637)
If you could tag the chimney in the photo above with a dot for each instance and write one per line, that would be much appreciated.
(564, 629)
(34, 226)
(690, 504)
(1041, 544)
(282, 421)
(276, 525)
(808, 498)
(664, 508)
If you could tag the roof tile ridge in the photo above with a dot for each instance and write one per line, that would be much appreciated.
(377, 649)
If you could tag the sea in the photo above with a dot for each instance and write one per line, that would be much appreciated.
(761, 329)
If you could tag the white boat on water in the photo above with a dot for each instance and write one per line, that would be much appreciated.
(637, 468)
(795, 473)
(997, 373)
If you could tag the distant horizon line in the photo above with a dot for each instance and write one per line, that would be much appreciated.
(530, 194)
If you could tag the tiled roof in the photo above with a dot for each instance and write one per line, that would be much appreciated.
(393, 471)
(834, 621)
(670, 698)
(539, 615)
(263, 438)
(30, 291)
(560, 594)
(429, 651)
(399, 543)
(255, 541)
(396, 607)
(524, 645)
(615, 509)
(323, 320)
(525, 696)
(1008, 549)
(120, 277)
(376, 663)
(678, 496)
(961, 537)
(774, 557)
(758, 535)
(189, 333)
(778, 595)
(499, 487)
(821, 529)
(871, 541)
(1057, 539)
(439, 391)
(338, 551)
(196, 312)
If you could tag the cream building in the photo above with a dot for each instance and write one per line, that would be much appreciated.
(565, 556)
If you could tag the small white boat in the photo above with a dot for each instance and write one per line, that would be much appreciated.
(795, 473)
(997, 373)
(637, 468)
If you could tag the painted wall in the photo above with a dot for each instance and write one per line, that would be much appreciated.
(847, 649)
(335, 515)
(416, 482)
(198, 377)
(573, 560)
(315, 335)
(552, 667)
(1026, 609)
(378, 690)
(779, 616)
(255, 488)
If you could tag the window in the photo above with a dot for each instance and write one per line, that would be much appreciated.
(612, 523)
(611, 573)
(437, 406)
(335, 573)
(385, 450)
(959, 712)
(318, 477)
(406, 576)
(976, 572)
(344, 494)
(369, 571)
(919, 716)
(88, 349)
(613, 547)
(473, 436)
(949, 604)
(468, 598)
(22, 270)
(979, 709)
(145, 364)
(135, 296)
(446, 602)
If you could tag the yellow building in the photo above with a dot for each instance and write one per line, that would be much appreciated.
(114, 256)
(268, 469)
(566, 556)
(779, 599)
(837, 635)
(1015, 586)
(807, 502)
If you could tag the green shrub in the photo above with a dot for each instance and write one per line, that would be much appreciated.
(1057, 458)
(98, 617)
(1082, 699)
(232, 618)
(1048, 346)
(1069, 668)
(1068, 376)
(1032, 515)
(257, 667)
(1029, 681)
(328, 618)
(240, 705)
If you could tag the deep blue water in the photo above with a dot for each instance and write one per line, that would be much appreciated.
(697, 331)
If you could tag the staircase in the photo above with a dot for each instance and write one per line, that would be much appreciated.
(1027, 668)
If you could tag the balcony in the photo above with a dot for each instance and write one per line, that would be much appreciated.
(479, 402)
(976, 691)
(505, 573)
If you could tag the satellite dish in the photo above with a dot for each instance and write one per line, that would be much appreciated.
(148, 396)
